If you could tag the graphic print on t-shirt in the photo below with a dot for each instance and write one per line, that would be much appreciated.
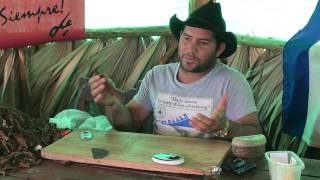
(173, 113)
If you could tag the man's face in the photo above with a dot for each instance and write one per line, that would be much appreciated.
(197, 49)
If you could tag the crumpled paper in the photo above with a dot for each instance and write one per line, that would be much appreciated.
(76, 119)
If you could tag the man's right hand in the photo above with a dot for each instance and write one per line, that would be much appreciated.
(103, 90)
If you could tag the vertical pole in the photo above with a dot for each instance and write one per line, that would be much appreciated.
(194, 4)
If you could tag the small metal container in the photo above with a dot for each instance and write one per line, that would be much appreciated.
(211, 172)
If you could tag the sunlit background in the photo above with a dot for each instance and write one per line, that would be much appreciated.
(278, 19)
(132, 13)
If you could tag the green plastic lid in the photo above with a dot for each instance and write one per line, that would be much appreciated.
(252, 140)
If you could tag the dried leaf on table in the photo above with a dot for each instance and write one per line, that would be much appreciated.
(19, 135)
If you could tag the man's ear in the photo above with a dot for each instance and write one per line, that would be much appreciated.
(221, 48)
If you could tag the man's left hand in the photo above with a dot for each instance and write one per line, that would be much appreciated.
(215, 122)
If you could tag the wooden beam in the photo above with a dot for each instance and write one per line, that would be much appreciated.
(127, 32)
(261, 42)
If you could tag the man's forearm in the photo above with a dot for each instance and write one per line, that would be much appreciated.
(236, 129)
(119, 116)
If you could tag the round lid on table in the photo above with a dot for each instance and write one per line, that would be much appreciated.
(252, 140)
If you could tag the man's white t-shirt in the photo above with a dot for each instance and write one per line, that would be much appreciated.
(174, 103)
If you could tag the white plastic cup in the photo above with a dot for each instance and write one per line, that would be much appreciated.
(289, 171)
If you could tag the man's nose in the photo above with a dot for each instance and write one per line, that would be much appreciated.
(192, 47)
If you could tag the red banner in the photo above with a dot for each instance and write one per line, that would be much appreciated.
(25, 22)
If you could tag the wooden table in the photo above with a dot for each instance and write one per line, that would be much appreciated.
(53, 170)
(135, 151)
(128, 142)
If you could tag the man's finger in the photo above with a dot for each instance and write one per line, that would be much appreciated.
(93, 79)
(220, 109)
(199, 125)
(204, 119)
(95, 83)
(98, 99)
(98, 90)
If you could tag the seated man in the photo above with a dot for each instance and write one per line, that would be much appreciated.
(197, 97)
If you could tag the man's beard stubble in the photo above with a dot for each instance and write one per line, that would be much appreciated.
(206, 66)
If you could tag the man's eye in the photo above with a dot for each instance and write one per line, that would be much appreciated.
(186, 38)
(203, 43)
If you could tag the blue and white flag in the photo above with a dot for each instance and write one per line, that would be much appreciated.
(301, 83)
